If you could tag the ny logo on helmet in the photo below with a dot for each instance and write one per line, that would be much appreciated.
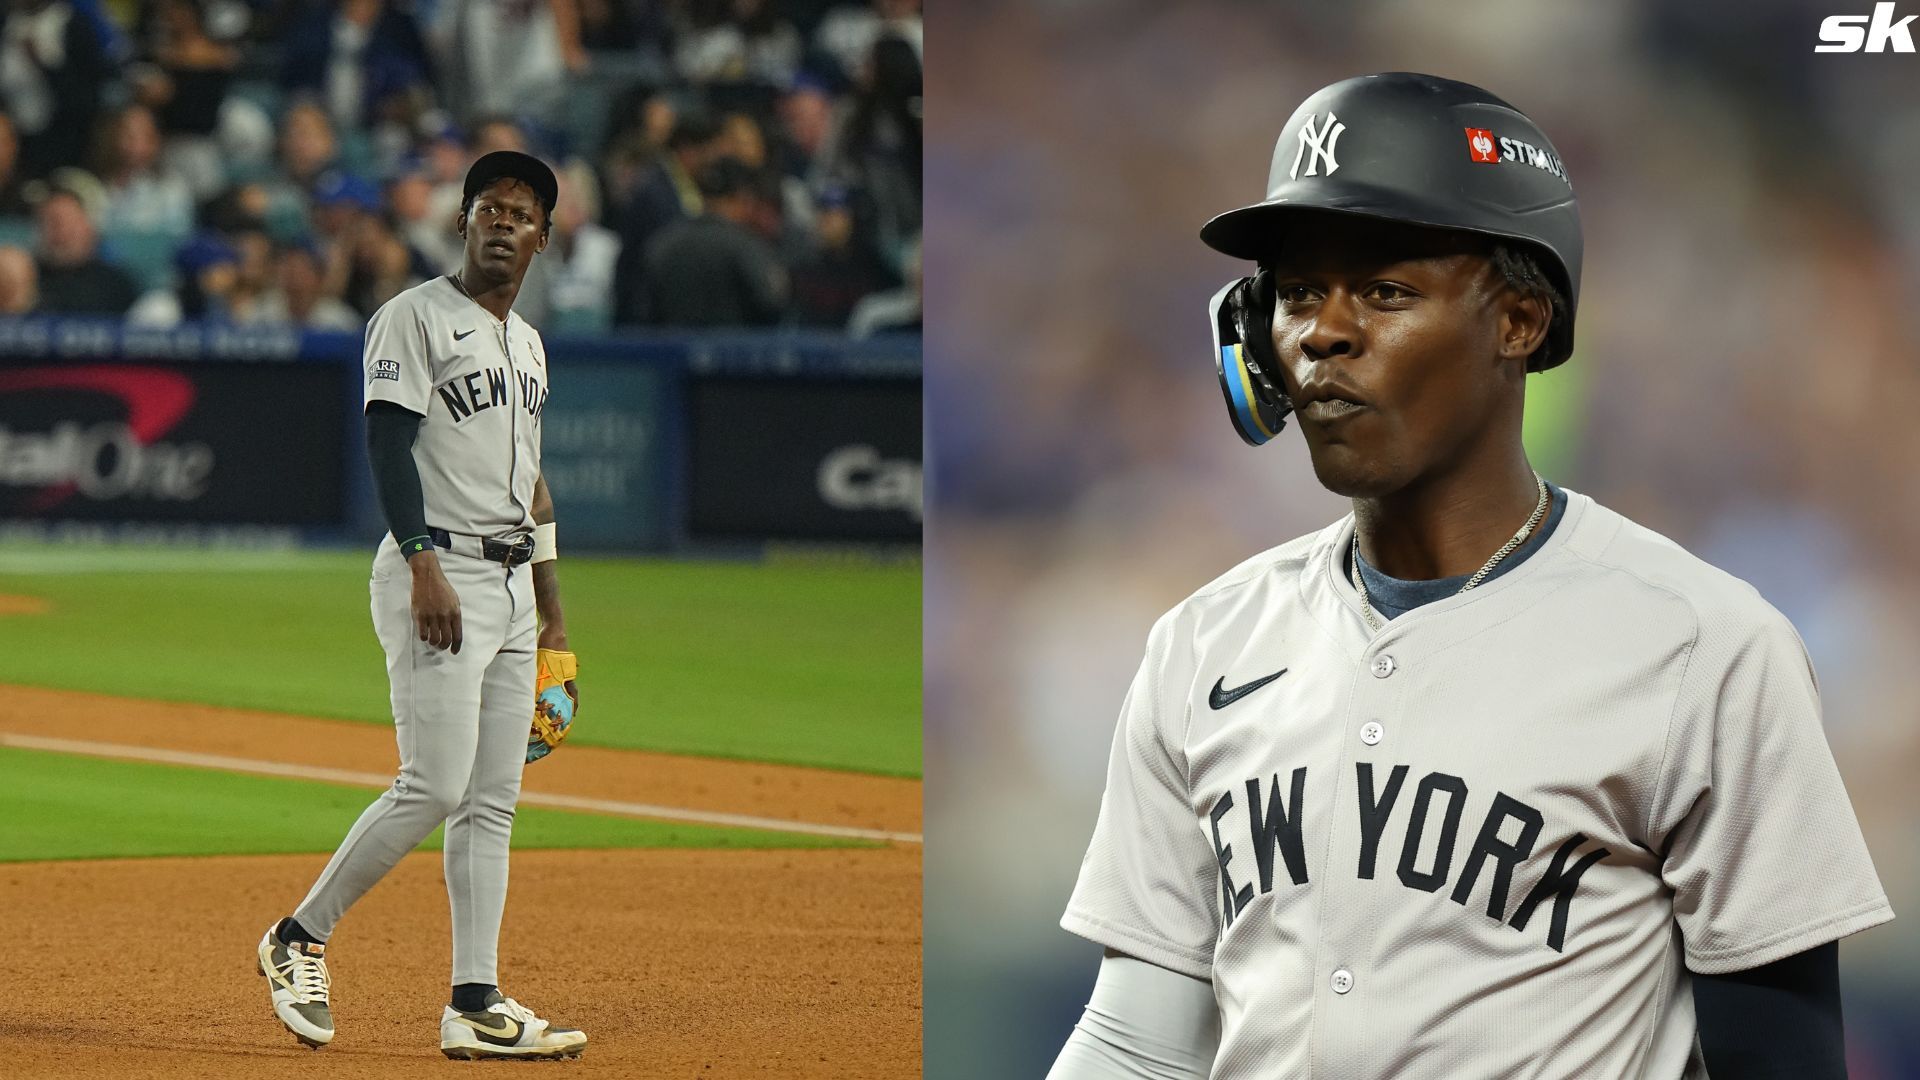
(1316, 145)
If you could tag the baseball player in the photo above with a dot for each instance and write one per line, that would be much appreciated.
(455, 385)
(1483, 779)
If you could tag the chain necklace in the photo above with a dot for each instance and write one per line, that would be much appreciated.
(462, 286)
(1539, 511)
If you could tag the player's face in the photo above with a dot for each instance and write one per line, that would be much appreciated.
(1393, 344)
(504, 228)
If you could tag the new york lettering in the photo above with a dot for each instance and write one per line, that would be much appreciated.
(1435, 807)
(478, 391)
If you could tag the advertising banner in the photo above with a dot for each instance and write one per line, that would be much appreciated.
(804, 459)
(605, 453)
(199, 442)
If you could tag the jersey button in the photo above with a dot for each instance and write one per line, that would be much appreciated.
(1382, 666)
(1342, 981)
(1371, 733)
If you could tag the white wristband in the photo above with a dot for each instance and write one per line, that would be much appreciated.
(544, 548)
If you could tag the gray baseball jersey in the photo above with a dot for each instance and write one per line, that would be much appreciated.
(481, 384)
(1488, 841)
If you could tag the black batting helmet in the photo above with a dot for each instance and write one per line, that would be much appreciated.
(1402, 147)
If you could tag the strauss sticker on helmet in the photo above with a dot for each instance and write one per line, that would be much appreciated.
(1529, 154)
(1480, 146)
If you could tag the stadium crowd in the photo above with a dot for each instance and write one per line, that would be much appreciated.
(723, 163)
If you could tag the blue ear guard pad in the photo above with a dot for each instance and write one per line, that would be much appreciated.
(1243, 355)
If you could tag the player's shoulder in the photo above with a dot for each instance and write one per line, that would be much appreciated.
(1271, 576)
(428, 301)
(1650, 571)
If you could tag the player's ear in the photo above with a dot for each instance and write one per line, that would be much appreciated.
(1524, 321)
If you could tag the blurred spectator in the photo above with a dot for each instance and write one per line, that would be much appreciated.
(569, 288)
(713, 270)
(806, 123)
(666, 194)
(353, 55)
(307, 142)
(185, 80)
(19, 282)
(645, 118)
(741, 140)
(299, 296)
(209, 275)
(344, 207)
(381, 266)
(848, 32)
(149, 210)
(737, 41)
(427, 228)
(308, 148)
(893, 311)
(13, 201)
(839, 271)
(877, 149)
(510, 55)
(53, 62)
(73, 277)
(492, 133)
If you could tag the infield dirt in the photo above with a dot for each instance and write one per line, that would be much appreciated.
(677, 963)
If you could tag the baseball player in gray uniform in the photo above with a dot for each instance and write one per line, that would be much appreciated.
(1484, 779)
(455, 386)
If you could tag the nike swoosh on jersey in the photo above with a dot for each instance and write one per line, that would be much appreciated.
(460, 336)
(505, 1035)
(1220, 697)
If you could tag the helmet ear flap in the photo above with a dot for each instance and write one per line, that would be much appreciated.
(1244, 357)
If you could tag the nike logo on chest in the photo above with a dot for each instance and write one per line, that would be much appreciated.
(1220, 697)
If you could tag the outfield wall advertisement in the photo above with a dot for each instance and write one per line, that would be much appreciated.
(817, 459)
(649, 443)
(212, 443)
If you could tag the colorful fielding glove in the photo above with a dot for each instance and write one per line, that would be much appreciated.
(552, 703)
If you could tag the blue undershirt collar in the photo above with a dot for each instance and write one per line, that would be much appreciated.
(1392, 596)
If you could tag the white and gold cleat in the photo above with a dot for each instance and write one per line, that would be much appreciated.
(505, 1029)
(298, 979)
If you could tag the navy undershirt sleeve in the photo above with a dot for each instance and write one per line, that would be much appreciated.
(396, 478)
(1780, 1021)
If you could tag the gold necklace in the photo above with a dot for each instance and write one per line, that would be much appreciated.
(1539, 511)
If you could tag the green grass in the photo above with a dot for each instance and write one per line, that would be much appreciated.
(60, 806)
(807, 664)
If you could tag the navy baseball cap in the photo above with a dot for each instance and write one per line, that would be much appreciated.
(513, 165)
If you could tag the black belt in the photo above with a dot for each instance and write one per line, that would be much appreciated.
(504, 552)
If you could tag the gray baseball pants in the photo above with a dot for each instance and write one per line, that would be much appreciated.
(461, 722)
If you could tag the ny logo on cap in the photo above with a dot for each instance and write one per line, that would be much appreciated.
(1319, 144)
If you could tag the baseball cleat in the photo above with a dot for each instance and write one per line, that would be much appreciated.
(297, 975)
(505, 1029)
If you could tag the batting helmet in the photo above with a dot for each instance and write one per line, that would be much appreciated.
(1398, 147)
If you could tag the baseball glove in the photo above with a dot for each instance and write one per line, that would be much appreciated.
(553, 703)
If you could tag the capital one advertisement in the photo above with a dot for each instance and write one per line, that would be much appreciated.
(219, 443)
